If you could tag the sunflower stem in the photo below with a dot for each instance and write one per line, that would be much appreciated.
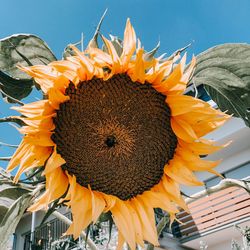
(67, 221)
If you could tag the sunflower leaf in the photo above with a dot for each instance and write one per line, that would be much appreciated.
(87, 235)
(225, 72)
(111, 223)
(117, 43)
(20, 49)
(14, 119)
(94, 41)
(11, 218)
(179, 51)
(148, 56)
(68, 51)
(4, 175)
(14, 199)
(11, 192)
(7, 158)
(23, 49)
(13, 89)
(104, 217)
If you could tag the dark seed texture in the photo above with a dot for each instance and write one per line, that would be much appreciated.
(115, 135)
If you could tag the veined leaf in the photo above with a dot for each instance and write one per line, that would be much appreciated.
(14, 119)
(14, 199)
(24, 49)
(13, 89)
(12, 217)
(20, 49)
(225, 72)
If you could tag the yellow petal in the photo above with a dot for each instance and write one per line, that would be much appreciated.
(100, 57)
(33, 158)
(183, 130)
(40, 122)
(137, 71)
(180, 173)
(186, 76)
(121, 241)
(86, 63)
(147, 220)
(110, 202)
(35, 109)
(98, 205)
(173, 190)
(185, 104)
(56, 97)
(137, 224)
(122, 218)
(55, 161)
(40, 139)
(81, 207)
(129, 44)
(159, 200)
(17, 156)
(56, 186)
(67, 68)
(116, 63)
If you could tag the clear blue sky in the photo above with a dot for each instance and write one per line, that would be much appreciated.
(205, 23)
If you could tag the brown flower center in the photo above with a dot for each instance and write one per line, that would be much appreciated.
(115, 135)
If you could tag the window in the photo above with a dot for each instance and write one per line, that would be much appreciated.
(202, 93)
(239, 172)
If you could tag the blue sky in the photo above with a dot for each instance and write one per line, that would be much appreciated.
(204, 23)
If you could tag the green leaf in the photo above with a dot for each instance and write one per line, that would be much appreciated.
(24, 49)
(94, 41)
(20, 49)
(4, 175)
(225, 72)
(148, 56)
(68, 51)
(14, 119)
(12, 218)
(14, 199)
(104, 217)
(13, 89)
(117, 43)
(11, 192)
(179, 51)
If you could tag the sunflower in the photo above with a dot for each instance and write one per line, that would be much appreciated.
(116, 134)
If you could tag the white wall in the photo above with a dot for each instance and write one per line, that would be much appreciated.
(219, 240)
(225, 245)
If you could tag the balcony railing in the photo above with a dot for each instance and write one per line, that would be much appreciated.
(213, 212)
(46, 234)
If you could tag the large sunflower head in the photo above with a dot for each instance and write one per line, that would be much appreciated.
(115, 133)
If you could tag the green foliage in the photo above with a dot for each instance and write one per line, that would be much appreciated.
(23, 50)
(225, 72)
(14, 119)
(13, 89)
(14, 199)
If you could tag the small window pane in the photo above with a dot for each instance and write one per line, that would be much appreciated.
(212, 182)
(240, 172)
